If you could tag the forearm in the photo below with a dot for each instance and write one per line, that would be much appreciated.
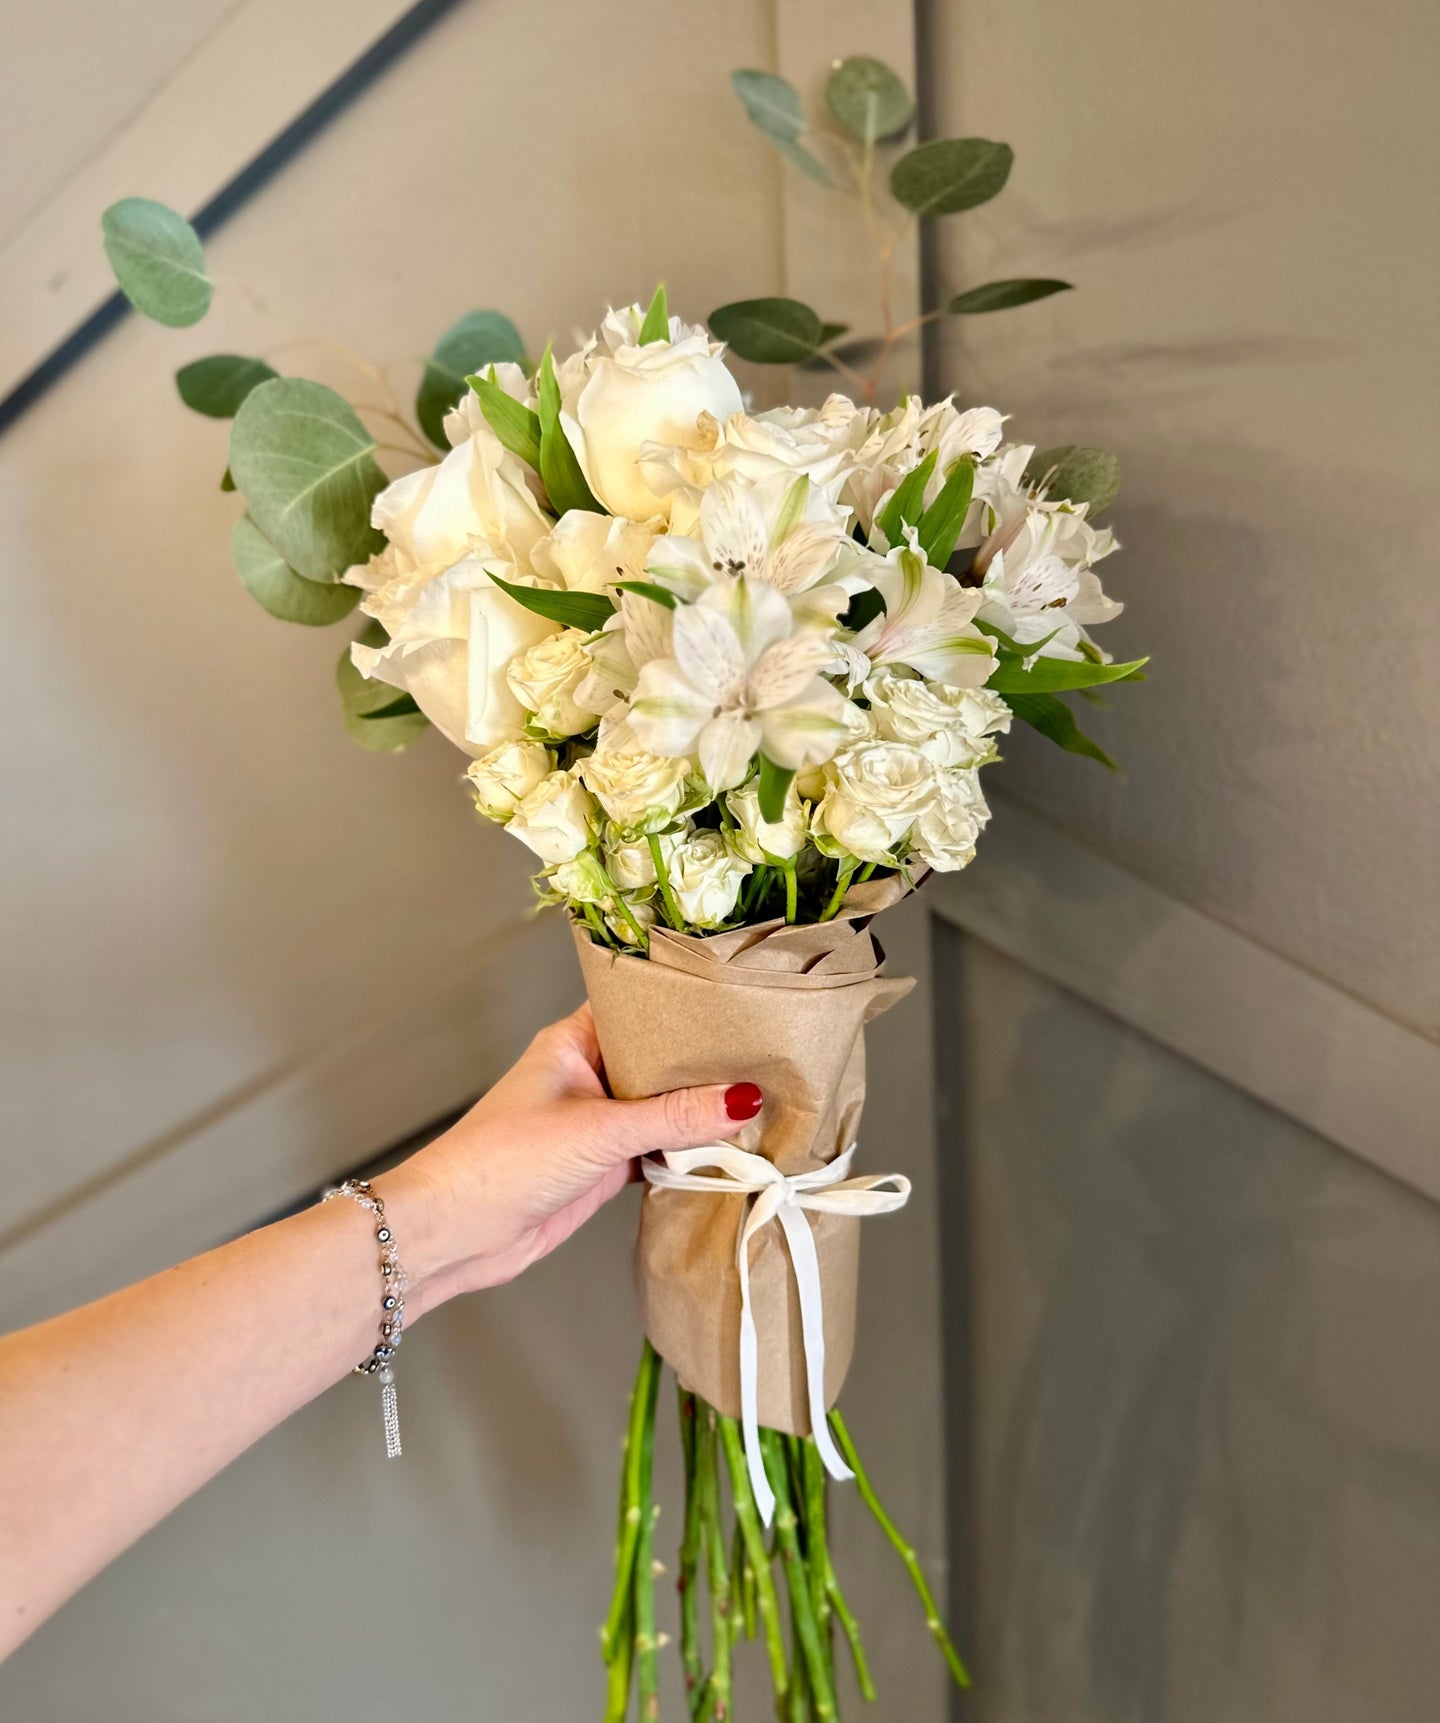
(112, 1414)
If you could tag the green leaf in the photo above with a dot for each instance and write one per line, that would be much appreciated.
(775, 782)
(377, 716)
(656, 326)
(774, 106)
(517, 427)
(480, 338)
(770, 331)
(1053, 718)
(1002, 295)
(402, 708)
(1076, 475)
(560, 470)
(216, 386)
(385, 732)
(276, 587)
(907, 501)
(587, 610)
(950, 174)
(158, 261)
(1009, 648)
(868, 100)
(941, 523)
(363, 696)
(649, 589)
(304, 463)
(1054, 675)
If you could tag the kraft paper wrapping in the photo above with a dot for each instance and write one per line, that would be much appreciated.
(784, 1007)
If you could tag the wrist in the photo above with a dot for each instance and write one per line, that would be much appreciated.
(416, 1211)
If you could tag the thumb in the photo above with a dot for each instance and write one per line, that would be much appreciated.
(681, 1119)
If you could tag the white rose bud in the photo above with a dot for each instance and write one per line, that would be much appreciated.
(705, 877)
(555, 819)
(504, 776)
(877, 789)
(629, 863)
(950, 726)
(757, 839)
(640, 791)
(641, 912)
(545, 678)
(651, 394)
(581, 880)
(945, 834)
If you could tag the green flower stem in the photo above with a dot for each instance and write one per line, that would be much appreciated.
(766, 1602)
(797, 1579)
(597, 926)
(798, 1708)
(865, 872)
(851, 1629)
(617, 1686)
(742, 1587)
(792, 891)
(817, 1549)
(690, 1548)
(662, 875)
(756, 887)
(639, 1446)
(717, 1694)
(642, 939)
(842, 885)
(904, 1550)
(647, 1645)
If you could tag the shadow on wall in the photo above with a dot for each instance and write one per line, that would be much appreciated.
(1207, 1484)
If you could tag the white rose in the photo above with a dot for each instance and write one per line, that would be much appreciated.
(813, 781)
(822, 443)
(876, 791)
(629, 863)
(505, 775)
(637, 910)
(945, 834)
(757, 839)
(555, 819)
(586, 551)
(451, 637)
(705, 877)
(949, 725)
(640, 791)
(477, 499)
(581, 880)
(544, 680)
(651, 394)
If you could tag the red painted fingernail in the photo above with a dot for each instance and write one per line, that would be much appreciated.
(743, 1100)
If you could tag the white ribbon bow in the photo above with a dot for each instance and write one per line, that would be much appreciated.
(782, 1198)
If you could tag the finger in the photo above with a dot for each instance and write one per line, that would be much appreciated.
(563, 1047)
(681, 1119)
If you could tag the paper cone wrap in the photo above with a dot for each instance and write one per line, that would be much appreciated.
(784, 1007)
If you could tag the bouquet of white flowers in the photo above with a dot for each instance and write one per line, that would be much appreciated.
(733, 678)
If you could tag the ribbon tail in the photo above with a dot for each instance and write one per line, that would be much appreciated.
(806, 1262)
(750, 1387)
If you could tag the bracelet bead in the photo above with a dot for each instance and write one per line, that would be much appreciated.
(392, 1306)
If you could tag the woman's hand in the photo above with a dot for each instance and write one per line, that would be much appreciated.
(533, 1160)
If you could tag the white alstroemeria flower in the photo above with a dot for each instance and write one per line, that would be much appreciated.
(951, 726)
(502, 777)
(640, 791)
(467, 417)
(476, 500)
(897, 442)
(1038, 585)
(452, 637)
(639, 631)
(545, 680)
(705, 878)
(781, 530)
(945, 834)
(588, 552)
(756, 839)
(742, 677)
(620, 396)
(556, 819)
(926, 622)
(877, 790)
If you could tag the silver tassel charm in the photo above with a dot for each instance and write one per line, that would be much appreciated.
(391, 1413)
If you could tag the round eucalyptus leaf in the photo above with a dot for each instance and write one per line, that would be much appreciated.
(772, 331)
(1076, 475)
(774, 106)
(386, 734)
(276, 587)
(365, 696)
(951, 174)
(303, 461)
(158, 261)
(1003, 295)
(480, 338)
(216, 386)
(868, 100)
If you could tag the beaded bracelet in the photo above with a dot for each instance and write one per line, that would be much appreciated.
(392, 1307)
